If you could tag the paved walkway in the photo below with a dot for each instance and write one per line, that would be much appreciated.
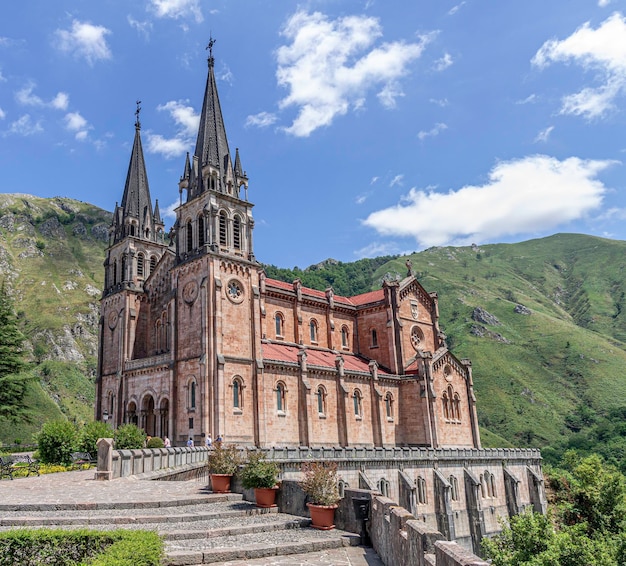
(69, 489)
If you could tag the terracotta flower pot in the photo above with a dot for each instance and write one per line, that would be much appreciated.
(322, 516)
(220, 483)
(265, 496)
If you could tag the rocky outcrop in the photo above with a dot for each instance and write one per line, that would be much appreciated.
(521, 309)
(481, 315)
(52, 228)
(482, 332)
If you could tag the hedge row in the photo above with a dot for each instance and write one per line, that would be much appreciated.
(36, 547)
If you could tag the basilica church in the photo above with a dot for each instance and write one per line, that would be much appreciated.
(195, 339)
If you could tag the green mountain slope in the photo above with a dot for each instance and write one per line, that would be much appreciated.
(51, 254)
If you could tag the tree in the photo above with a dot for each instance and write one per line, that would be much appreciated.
(13, 383)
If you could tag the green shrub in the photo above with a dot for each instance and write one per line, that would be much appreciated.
(56, 442)
(155, 442)
(129, 437)
(223, 460)
(259, 472)
(89, 436)
(69, 548)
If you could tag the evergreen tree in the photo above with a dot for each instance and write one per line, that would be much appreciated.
(13, 383)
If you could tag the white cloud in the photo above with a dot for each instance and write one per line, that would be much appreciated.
(143, 28)
(361, 198)
(261, 120)
(374, 179)
(603, 3)
(376, 249)
(186, 121)
(176, 9)
(24, 126)
(527, 195)
(528, 100)
(3, 79)
(84, 40)
(602, 49)
(75, 123)
(435, 131)
(226, 75)
(170, 210)
(443, 102)
(330, 65)
(443, 63)
(184, 116)
(2, 114)
(25, 97)
(455, 9)
(397, 180)
(543, 135)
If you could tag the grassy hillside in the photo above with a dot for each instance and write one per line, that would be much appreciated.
(51, 254)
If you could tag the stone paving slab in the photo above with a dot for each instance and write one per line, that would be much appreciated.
(68, 489)
(346, 556)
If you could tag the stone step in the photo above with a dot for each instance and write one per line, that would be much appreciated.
(106, 505)
(192, 552)
(120, 517)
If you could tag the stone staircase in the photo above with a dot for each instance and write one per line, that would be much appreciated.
(207, 529)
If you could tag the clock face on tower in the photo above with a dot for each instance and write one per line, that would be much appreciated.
(112, 320)
(190, 292)
(234, 291)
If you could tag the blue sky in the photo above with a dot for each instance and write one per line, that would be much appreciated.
(366, 127)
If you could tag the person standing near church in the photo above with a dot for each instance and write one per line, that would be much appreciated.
(208, 441)
(190, 442)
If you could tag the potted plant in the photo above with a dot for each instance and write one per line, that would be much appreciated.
(320, 485)
(222, 464)
(261, 475)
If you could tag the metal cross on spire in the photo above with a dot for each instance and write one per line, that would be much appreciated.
(137, 122)
(210, 48)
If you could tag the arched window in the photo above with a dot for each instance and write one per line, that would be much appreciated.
(383, 487)
(421, 491)
(313, 330)
(358, 403)
(132, 229)
(457, 407)
(189, 236)
(446, 405)
(237, 393)
(454, 488)
(344, 336)
(114, 272)
(389, 405)
(192, 395)
(223, 229)
(280, 325)
(237, 233)
(321, 400)
(374, 338)
(280, 397)
(153, 262)
(483, 492)
(158, 335)
(201, 238)
(123, 274)
(140, 264)
(489, 487)
(492, 482)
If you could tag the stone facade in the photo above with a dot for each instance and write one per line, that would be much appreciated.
(196, 340)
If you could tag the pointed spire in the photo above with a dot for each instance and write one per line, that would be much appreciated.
(136, 203)
(212, 144)
(187, 171)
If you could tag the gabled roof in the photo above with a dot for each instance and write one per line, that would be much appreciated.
(321, 358)
(371, 297)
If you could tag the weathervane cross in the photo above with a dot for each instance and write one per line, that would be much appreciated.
(137, 123)
(210, 45)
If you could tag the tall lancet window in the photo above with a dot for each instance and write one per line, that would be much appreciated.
(237, 233)
(189, 236)
(223, 229)
(201, 238)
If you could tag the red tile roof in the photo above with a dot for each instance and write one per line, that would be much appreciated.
(371, 297)
(323, 358)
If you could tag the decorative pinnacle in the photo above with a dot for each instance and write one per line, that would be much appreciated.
(137, 122)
